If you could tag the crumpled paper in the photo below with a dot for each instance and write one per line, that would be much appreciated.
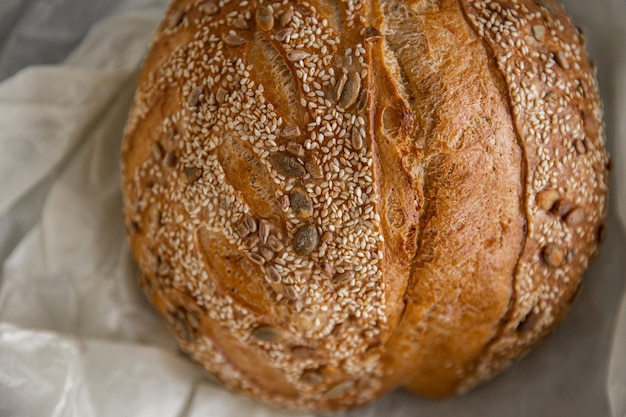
(77, 338)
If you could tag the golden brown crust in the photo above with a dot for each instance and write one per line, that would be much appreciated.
(328, 200)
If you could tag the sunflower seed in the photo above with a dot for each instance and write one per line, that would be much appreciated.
(528, 322)
(357, 140)
(362, 103)
(133, 227)
(256, 258)
(265, 229)
(305, 240)
(186, 331)
(170, 159)
(234, 40)
(267, 334)
(286, 17)
(176, 19)
(341, 278)
(209, 8)
(371, 33)
(561, 207)
(295, 149)
(250, 222)
(251, 241)
(547, 5)
(274, 275)
(163, 269)
(312, 377)
(157, 150)
(192, 174)
(313, 168)
(287, 165)
(241, 23)
(275, 243)
(284, 201)
(290, 132)
(561, 59)
(539, 32)
(601, 233)
(194, 97)
(170, 133)
(303, 352)
(267, 254)
(339, 389)
(553, 256)
(350, 91)
(326, 268)
(546, 199)
(297, 55)
(290, 292)
(193, 321)
(220, 96)
(579, 145)
(264, 19)
(301, 203)
(282, 34)
(339, 86)
(575, 216)
(241, 229)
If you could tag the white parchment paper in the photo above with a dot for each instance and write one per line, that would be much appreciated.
(77, 338)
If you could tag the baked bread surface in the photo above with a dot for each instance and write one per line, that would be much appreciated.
(328, 199)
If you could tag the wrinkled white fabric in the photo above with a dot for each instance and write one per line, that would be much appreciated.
(77, 337)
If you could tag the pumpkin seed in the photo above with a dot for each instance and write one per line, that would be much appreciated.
(305, 240)
(192, 174)
(301, 203)
(287, 165)
(194, 97)
(267, 334)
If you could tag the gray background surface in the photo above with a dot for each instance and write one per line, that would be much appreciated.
(555, 379)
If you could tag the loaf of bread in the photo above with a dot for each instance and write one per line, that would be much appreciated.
(330, 199)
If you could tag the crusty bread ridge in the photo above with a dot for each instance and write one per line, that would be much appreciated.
(328, 200)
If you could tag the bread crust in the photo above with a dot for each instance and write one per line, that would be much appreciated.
(328, 200)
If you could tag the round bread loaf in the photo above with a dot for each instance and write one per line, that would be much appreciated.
(329, 199)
